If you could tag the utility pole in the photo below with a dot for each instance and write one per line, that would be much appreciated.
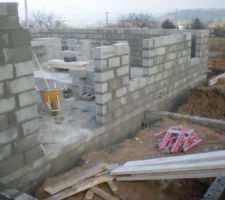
(26, 13)
(176, 19)
(106, 18)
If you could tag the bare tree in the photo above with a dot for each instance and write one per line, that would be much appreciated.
(42, 19)
(134, 20)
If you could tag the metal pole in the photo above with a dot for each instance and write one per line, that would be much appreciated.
(107, 18)
(26, 13)
(176, 19)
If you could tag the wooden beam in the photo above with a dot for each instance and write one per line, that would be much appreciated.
(214, 80)
(175, 175)
(72, 180)
(89, 195)
(209, 156)
(113, 187)
(173, 167)
(86, 184)
(105, 195)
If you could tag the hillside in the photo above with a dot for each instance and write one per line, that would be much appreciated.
(205, 15)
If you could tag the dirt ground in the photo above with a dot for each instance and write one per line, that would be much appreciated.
(206, 101)
(143, 146)
(217, 63)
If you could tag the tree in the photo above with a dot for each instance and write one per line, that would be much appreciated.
(135, 20)
(197, 24)
(167, 24)
(42, 19)
(219, 30)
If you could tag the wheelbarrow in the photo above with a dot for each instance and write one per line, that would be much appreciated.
(51, 98)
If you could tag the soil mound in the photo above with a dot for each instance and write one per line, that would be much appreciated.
(206, 102)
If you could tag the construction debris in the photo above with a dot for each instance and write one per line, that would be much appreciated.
(215, 80)
(86, 180)
(176, 139)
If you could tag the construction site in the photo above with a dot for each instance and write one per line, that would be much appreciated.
(109, 113)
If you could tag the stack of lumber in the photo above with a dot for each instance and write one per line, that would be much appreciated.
(202, 165)
(88, 181)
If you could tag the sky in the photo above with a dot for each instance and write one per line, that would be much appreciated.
(94, 10)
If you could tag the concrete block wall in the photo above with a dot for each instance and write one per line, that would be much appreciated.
(19, 144)
(169, 72)
(111, 79)
(109, 36)
(52, 45)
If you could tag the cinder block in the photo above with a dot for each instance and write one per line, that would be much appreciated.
(101, 87)
(11, 164)
(121, 92)
(104, 76)
(8, 9)
(8, 135)
(30, 127)
(171, 56)
(26, 113)
(148, 43)
(7, 104)
(17, 54)
(121, 49)
(5, 151)
(3, 122)
(100, 65)
(114, 62)
(103, 52)
(101, 109)
(22, 84)
(1, 89)
(24, 68)
(115, 83)
(33, 154)
(148, 53)
(147, 62)
(26, 143)
(125, 80)
(123, 70)
(103, 98)
(15, 38)
(125, 60)
(159, 51)
(104, 119)
(9, 22)
(132, 86)
(27, 98)
(6, 72)
(77, 73)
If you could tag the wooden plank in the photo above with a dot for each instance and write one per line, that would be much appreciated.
(214, 80)
(101, 173)
(72, 180)
(215, 155)
(175, 175)
(174, 167)
(89, 195)
(105, 195)
(113, 187)
(84, 185)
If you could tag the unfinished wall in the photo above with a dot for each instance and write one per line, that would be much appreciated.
(19, 144)
(169, 73)
(109, 36)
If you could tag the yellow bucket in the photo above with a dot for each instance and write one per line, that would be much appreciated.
(51, 98)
